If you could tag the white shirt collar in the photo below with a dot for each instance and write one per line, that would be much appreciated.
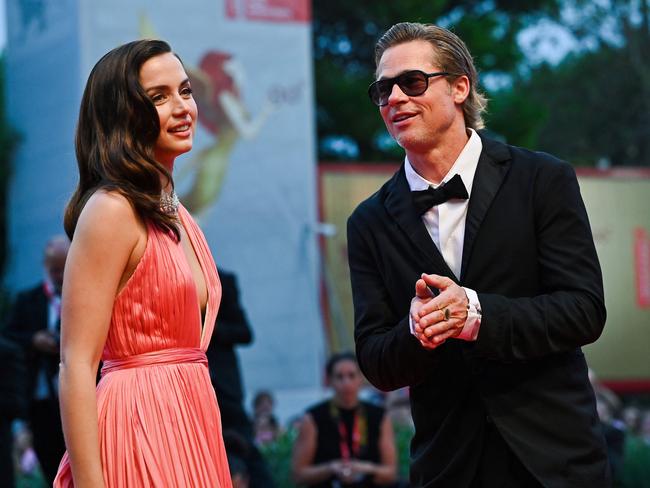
(465, 165)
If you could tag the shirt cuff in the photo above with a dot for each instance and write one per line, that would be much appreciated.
(473, 321)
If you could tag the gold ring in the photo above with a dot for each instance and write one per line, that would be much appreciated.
(446, 311)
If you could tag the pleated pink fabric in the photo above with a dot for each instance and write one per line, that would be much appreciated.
(159, 423)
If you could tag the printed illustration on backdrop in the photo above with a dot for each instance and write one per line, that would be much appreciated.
(216, 85)
(35, 20)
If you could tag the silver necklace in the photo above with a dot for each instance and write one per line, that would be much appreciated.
(169, 202)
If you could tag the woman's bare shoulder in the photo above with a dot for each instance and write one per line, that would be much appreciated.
(109, 215)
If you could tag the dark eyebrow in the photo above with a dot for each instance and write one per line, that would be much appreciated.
(186, 81)
(157, 88)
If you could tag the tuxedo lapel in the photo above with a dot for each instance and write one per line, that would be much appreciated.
(399, 205)
(492, 168)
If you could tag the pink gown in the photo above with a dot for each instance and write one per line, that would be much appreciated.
(159, 423)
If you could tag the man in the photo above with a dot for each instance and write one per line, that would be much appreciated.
(232, 329)
(34, 323)
(499, 387)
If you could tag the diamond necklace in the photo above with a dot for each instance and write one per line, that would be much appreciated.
(169, 202)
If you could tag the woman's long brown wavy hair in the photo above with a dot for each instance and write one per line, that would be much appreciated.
(116, 133)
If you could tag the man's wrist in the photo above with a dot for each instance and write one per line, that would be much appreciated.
(474, 315)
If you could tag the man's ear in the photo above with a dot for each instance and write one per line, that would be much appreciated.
(460, 89)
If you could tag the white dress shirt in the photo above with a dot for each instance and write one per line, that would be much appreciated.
(446, 222)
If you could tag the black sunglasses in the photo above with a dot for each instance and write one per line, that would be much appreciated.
(413, 83)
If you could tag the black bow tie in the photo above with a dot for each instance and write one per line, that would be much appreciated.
(425, 199)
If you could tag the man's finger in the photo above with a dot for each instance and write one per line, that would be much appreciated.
(440, 338)
(422, 290)
(437, 281)
(434, 316)
(441, 327)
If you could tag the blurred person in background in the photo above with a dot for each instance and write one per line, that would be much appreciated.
(263, 403)
(636, 459)
(345, 441)
(25, 459)
(266, 427)
(608, 406)
(34, 323)
(631, 415)
(614, 403)
(13, 403)
(238, 449)
(614, 432)
(233, 329)
(141, 291)
(398, 407)
(475, 282)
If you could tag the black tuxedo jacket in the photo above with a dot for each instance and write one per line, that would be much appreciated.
(231, 329)
(28, 315)
(529, 254)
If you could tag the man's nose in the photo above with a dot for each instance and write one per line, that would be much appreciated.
(396, 95)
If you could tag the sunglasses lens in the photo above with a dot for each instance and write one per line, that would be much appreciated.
(380, 91)
(413, 83)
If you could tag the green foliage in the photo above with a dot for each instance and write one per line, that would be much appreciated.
(32, 480)
(516, 115)
(403, 436)
(593, 106)
(597, 100)
(278, 458)
(636, 463)
(343, 91)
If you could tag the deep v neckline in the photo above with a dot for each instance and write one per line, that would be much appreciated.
(202, 316)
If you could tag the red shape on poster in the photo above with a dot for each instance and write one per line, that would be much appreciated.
(269, 10)
(231, 9)
(642, 267)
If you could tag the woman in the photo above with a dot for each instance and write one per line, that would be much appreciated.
(140, 289)
(344, 441)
